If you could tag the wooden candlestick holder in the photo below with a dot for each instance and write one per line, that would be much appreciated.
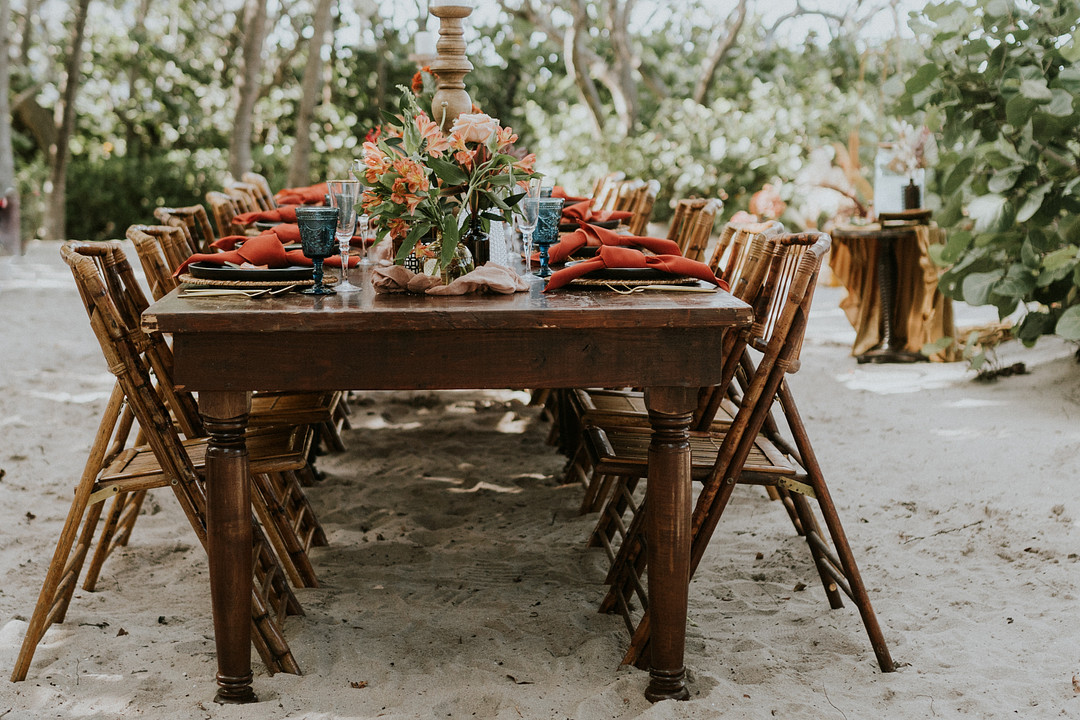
(450, 66)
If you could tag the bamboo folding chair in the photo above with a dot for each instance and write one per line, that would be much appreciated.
(605, 190)
(640, 202)
(194, 222)
(243, 196)
(158, 251)
(742, 452)
(223, 208)
(281, 504)
(263, 193)
(606, 407)
(692, 225)
(116, 466)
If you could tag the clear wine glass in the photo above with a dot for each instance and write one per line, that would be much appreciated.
(343, 196)
(367, 237)
(530, 211)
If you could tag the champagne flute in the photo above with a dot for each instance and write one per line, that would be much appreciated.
(530, 211)
(343, 195)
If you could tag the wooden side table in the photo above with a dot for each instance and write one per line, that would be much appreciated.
(885, 236)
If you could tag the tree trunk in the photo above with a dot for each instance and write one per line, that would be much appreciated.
(300, 161)
(9, 192)
(131, 136)
(620, 79)
(55, 219)
(720, 50)
(28, 31)
(247, 87)
(573, 43)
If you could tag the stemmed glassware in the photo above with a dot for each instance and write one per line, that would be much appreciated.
(547, 229)
(317, 228)
(367, 237)
(530, 210)
(343, 196)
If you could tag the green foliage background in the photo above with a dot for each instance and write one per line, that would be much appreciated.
(1001, 82)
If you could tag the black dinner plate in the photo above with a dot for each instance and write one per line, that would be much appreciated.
(625, 273)
(572, 226)
(260, 225)
(206, 271)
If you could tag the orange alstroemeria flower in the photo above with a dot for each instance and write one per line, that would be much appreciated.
(437, 143)
(506, 136)
(526, 163)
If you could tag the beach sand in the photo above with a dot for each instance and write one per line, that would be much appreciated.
(457, 583)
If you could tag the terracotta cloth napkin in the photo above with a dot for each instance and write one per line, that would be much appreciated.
(286, 233)
(310, 195)
(560, 192)
(285, 213)
(580, 212)
(488, 278)
(263, 250)
(592, 235)
(610, 256)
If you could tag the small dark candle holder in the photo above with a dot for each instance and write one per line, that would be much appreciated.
(317, 238)
(547, 230)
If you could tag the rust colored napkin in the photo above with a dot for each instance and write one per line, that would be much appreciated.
(610, 256)
(310, 195)
(560, 192)
(259, 250)
(488, 278)
(580, 212)
(263, 250)
(285, 213)
(285, 233)
(592, 235)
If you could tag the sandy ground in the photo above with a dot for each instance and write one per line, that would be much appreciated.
(457, 583)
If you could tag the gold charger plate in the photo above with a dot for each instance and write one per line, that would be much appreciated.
(188, 279)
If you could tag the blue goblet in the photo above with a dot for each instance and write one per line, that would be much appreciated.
(317, 229)
(547, 229)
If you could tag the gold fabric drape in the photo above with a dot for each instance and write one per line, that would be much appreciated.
(921, 314)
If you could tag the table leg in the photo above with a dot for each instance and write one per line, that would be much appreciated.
(229, 538)
(886, 272)
(667, 527)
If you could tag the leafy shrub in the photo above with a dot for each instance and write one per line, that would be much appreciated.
(105, 195)
(1001, 80)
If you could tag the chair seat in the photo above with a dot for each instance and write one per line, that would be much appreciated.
(624, 450)
(137, 468)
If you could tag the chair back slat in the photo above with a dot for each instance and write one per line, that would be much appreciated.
(160, 248)
(692, 225)
(263, 193)
(224, 209)
(195, 223)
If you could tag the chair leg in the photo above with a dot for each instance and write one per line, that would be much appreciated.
(116, 531)
(280, 532)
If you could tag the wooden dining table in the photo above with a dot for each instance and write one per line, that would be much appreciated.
(668, 342)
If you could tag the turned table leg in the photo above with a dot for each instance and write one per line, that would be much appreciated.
(229, 539)
(667, 527)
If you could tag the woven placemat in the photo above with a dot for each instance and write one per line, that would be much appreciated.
(188, 279)
(604, 282)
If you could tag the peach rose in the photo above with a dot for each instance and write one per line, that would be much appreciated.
(475, 127)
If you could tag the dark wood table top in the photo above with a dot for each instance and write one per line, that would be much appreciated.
(564, 308)
(566, 338)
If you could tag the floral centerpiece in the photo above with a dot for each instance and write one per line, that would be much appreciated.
(913, 150)
(424, 183)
